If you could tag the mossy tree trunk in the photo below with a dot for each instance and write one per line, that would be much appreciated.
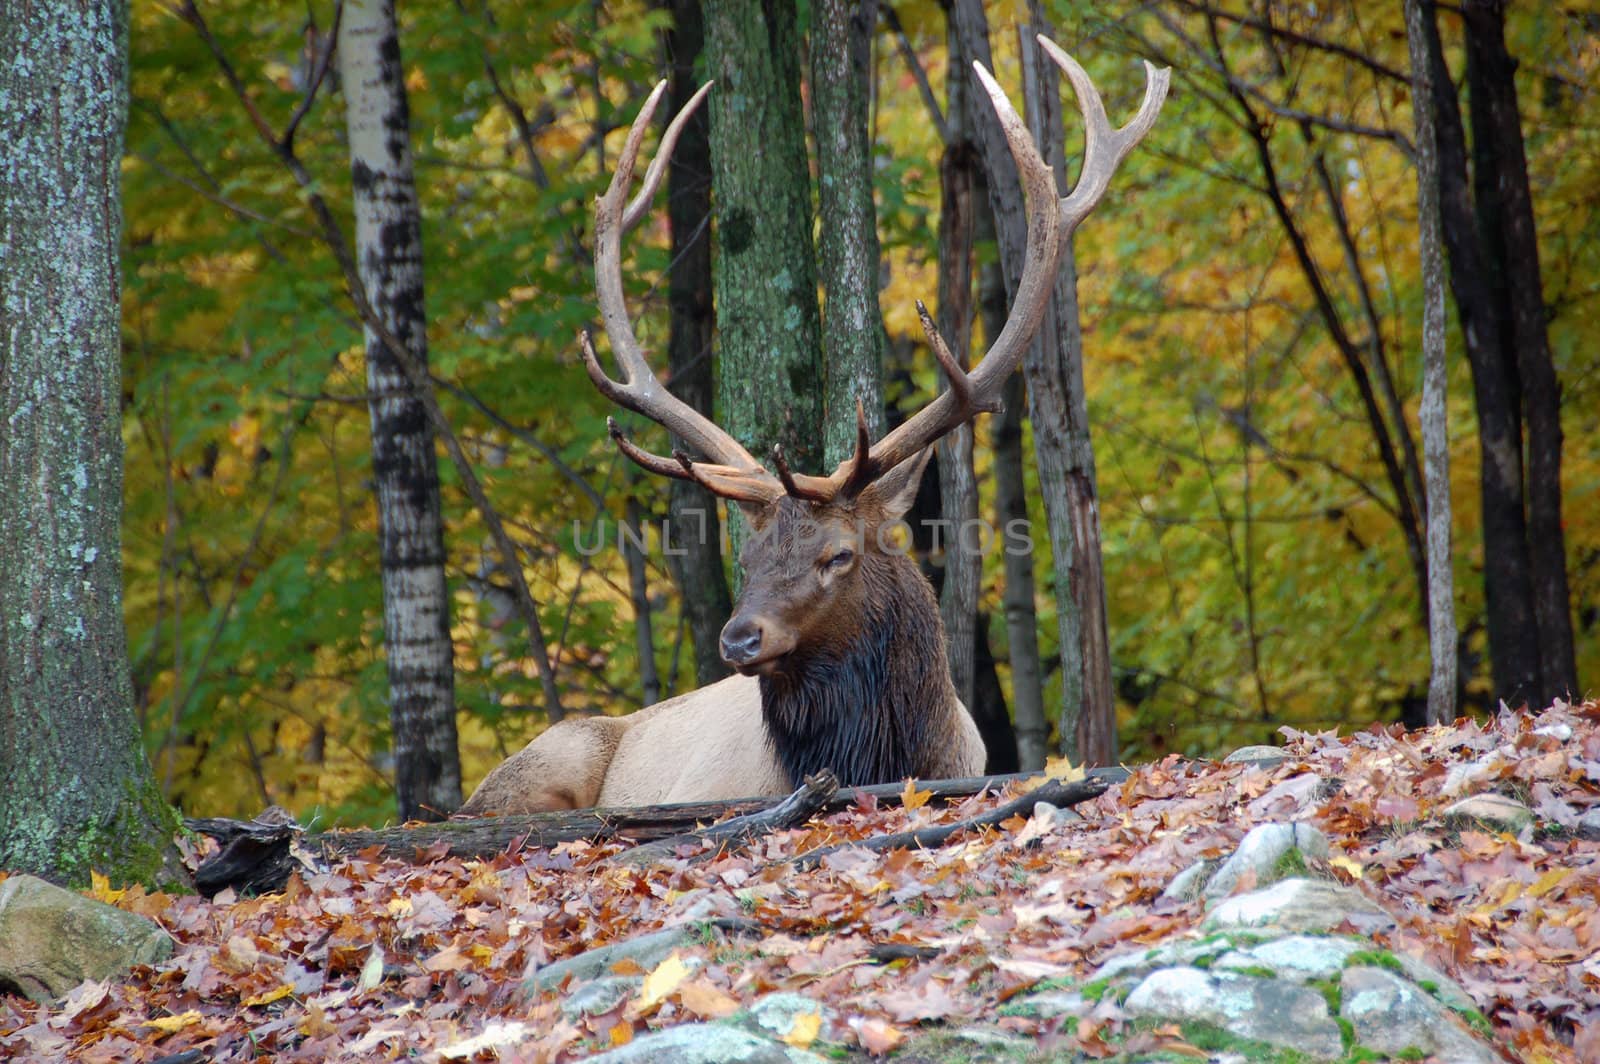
(847, 243)
(766, 278)
(405, 470)
(76, 794)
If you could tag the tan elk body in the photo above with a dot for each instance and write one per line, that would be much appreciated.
(836, 635)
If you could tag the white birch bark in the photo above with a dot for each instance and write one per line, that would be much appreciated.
(416, 599)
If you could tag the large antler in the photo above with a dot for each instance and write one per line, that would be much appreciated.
(732, 472)
(977, 391)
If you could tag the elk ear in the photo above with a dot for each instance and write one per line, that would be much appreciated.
(896, 490)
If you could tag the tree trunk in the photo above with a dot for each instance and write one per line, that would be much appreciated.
(1058, 408)
(1435, 427)
(694, 533)
(1505, 207)
(1507, 568)
(1011, 518)
(847, 243)
(635, 544)
(958, 485)
(988, 705)
(767, 318)
(405, 472)
(77, 793)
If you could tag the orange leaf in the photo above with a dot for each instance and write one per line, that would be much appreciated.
(912, 798)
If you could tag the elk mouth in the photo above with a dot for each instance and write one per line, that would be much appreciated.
(764, 667)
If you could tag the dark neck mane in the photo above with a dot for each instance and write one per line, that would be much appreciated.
(871, 709)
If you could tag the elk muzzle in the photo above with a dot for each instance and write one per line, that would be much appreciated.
(753, 645)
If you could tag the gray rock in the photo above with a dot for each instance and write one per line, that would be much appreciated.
(646, 951)
(776, 1013)
(1494, 810)
(1265, 756)
(1300, 957)
(1265, 1010)
(1441, 986)
(1263, 852)
(599, 995)
(1049, 1004)
(1299, 905)
(1186, 885)
(705, 1043)
(1392, 1015)
(52, 939)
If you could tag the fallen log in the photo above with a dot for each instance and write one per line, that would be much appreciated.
(256, 854)
(1055, 792)
(793, 811)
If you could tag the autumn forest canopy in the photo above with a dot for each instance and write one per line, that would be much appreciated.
(1249, 294)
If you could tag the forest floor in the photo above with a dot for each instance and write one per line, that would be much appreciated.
(378, 958)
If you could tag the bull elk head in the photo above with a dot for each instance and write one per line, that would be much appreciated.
(817, 573)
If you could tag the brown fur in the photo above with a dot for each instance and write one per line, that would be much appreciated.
(860, 684)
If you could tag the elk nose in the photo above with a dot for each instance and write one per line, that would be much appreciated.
(741, 642)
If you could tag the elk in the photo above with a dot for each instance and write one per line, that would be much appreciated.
(836, 636)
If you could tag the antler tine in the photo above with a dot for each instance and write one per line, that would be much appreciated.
(802, 486)
(1104, 148)
(732, 472)
(669, 143)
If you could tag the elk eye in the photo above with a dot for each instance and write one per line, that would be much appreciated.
(840, 560)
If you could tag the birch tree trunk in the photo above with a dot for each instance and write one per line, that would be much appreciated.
(694, 532)
(1435, 437)
(847, 243)
(416, 598)
(76, 792)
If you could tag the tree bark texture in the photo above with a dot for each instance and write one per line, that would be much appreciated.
(1506, 224)
(1435, 426)
(1059, 410)
(694, 548)
(766, 283)
(1507, 567)
(958, 484)
(76, 793)
(847, 245)
(416, 598)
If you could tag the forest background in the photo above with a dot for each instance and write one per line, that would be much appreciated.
(1255, 555)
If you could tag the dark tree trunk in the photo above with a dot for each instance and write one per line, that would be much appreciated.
(958, 485)
(1505, 210)
(1507, 568)
(694, 547)
(988, 705)
(766, 282)
(847, 243)
(76, 792)
(405, 472)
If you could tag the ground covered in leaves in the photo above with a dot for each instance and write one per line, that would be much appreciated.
(382, 959)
